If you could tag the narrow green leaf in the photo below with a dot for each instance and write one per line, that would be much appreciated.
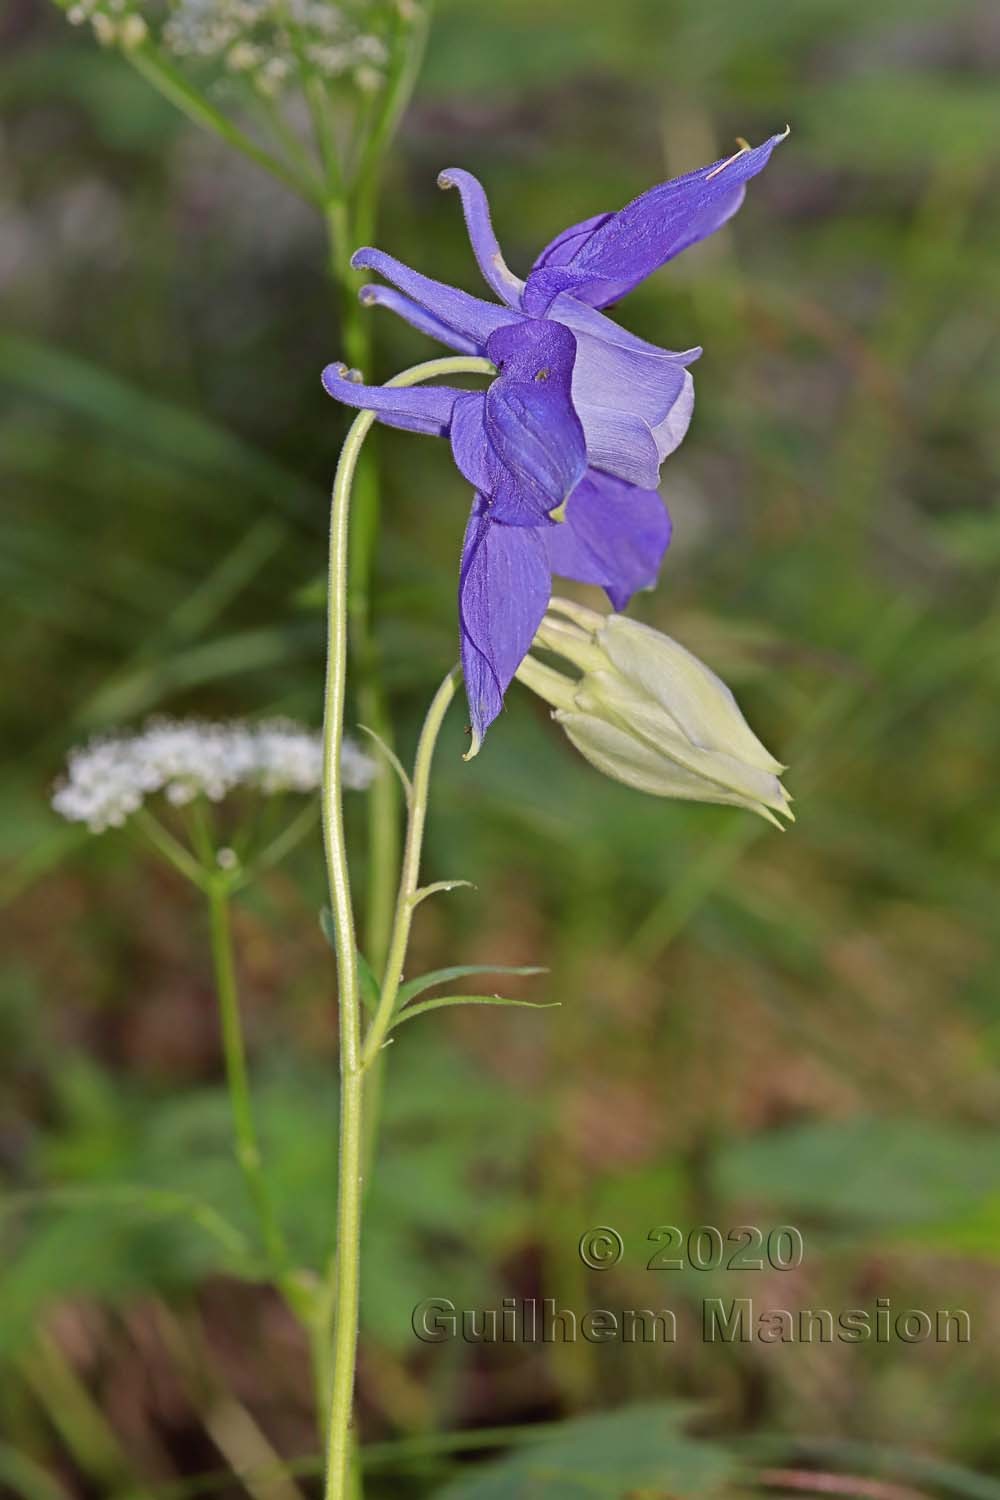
(371, 990)
(445, 1000)
(370, 987)
(439, 887)
(171, 83)
(873, 1459)
(636, 1450)
(393, 760)
(152, 1202)
(435, 977)
(328, 926)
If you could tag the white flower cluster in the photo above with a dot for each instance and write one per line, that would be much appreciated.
(265, 41)
(114, 22)
(110, 778)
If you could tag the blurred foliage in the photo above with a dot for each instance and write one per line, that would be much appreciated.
(640, 1448)
(753, 1029)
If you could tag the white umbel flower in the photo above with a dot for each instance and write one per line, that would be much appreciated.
(266, 39)
(270, 43)
(109, 779)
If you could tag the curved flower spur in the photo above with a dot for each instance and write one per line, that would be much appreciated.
(564, 448)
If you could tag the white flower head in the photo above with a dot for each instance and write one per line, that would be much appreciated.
(109, 779)
(267, 40)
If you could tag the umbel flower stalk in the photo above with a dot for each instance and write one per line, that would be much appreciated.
(186, 769)
(645, 711)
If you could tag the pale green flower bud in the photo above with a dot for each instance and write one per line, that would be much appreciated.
(647, 712)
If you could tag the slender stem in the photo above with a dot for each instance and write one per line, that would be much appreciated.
(394, 954)
(350, 223)
(281, 845)
(342, 241)
(349, 1187)
(317, 103)
(410, 874)
(234, 1051)
(549, 684)
(169, 82)
(305, 167)
(171, 848)
(408, 55)
(383, 800)
(77, 1416)
(383, 832)
(347, 1286)
(218, 887)
(201, 824)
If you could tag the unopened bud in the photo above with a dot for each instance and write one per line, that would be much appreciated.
(647, 712)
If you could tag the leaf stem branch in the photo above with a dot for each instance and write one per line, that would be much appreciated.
(245, 1134)
(409, 881)
(174, 87)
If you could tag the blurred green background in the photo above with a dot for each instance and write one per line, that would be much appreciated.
(755, 1028)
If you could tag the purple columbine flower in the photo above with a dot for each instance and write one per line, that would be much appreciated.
(564, 448)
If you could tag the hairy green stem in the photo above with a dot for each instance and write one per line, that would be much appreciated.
(347, 1269)
(237, 1078)
(346, 1289)
(350, 221)
(410, 875)
(390, 954)
(383, 801)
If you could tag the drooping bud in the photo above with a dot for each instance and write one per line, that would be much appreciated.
(647, 712)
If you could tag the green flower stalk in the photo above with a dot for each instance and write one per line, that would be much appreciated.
(645, 711)
(359, 1049)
